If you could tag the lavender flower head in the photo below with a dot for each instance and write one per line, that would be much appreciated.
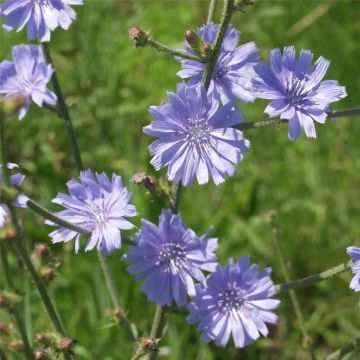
(96, 204)
(236, 301)
(296, 89)
(354, 253)
(26, 77)
(20, 200)
(169, 257)
(195, 137)
(39, 16)
(231, 79)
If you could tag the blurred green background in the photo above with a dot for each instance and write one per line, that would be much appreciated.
(314, 185)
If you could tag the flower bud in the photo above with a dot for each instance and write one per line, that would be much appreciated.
(16, 345)
(138, 36)
(11, 234)
(4, 329)
(42, 251)
(65, 344)
(41, 354)
(42, 338)
(193, 39)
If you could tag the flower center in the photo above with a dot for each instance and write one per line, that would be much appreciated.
(295, 89)
(232, 299)
(172, 252)
(198, 132)
(96, 212)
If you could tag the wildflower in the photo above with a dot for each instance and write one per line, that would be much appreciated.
(354, 253)
(98, 205)
(296, 89)
(195, 137)
(169, 257)
(20, 200)
(231, 78)
(26, 77)
(39, 16)
(236, 301)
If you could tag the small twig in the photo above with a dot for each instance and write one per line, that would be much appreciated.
(175, 53)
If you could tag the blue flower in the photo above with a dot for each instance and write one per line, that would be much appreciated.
(354, 253)
(296, 89)
(235, 301)
(20, 200)
(169, 257)
(26, 77)
(96, 204)
(195, 137)
(231, 79)
(40, 16)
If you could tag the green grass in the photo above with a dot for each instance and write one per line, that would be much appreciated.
(314, 185)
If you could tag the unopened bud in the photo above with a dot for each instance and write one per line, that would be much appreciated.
(41, 354)
(3, 301)
(149, 343)
(138, 36)
(4, 329)
(143, 179)
(42, 251)
(41, 338)
(118, 313)
(206, 49)
(65, 344)
(11, 234)
(193, 39)
(8, 299)
(16, 345)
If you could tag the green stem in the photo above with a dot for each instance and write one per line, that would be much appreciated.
(350, 347)
(225, 20)
(63, 110)
(131, 332)
(276, 121)
(65, 115)
(21, 250)
(172, 52)
(293, 297)
(211, 12)
(312, 279)
(14, 311)
(158, 327)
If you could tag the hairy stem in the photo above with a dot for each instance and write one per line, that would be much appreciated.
(14, 311)
(276, 121)
(350, 347)
(172, 52)
(312, 279)
(211, 13)
(63, 110)
(131, 332)
(225, 20)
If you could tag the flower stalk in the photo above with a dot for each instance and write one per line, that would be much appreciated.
(276, 121)
(350, 347)
(312, 279)
(211, 13)
(65, 115)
